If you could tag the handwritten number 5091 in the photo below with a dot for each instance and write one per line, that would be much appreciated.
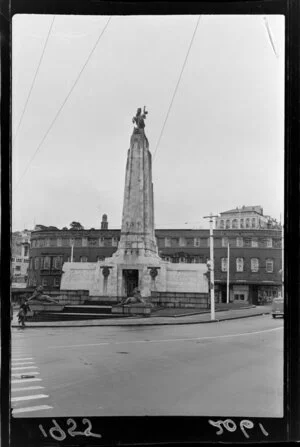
(231, 426)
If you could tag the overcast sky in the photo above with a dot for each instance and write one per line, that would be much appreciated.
(223, 142)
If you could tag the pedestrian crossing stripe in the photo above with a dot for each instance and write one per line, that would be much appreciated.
(16, 363)
(34, 396)
(27, 388)
(21, 358)
(14, 368)
(20, 374)
(26, 409)
(36, 379)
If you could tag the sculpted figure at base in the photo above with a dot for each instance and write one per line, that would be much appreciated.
(136, 298)
(39, 296)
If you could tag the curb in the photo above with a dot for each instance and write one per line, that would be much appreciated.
(171, 323)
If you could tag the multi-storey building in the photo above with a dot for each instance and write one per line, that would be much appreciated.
(255, 256)
(245, 217)
(20, 244)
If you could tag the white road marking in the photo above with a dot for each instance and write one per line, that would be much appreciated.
(14, 368)
(167, 340)
(20, 374)
(17, 363)
(27, 388)
(38, 408)
(16, 359)
(35, 379)
(35, 396)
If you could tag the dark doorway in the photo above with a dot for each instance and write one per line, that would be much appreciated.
(131, 280)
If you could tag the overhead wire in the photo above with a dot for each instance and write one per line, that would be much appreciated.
(176, 87)
(64, 102)
(34, 79)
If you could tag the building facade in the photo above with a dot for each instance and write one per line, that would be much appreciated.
(255, 256)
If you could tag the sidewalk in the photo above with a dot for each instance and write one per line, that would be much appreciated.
(231, 314)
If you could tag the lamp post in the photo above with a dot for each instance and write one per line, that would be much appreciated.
(72, 249)
(212, 268)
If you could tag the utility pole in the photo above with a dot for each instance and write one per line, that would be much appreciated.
(228, 264)
(211, 265)
(72, 249)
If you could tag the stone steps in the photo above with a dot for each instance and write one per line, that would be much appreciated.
(93, 309)
(64, 316)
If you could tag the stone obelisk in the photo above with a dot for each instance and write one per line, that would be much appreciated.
(137, 232)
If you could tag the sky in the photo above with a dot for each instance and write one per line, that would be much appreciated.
(222, 145)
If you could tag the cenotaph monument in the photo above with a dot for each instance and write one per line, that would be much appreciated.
(136, 263)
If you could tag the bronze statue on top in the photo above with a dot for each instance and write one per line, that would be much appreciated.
(138, 119)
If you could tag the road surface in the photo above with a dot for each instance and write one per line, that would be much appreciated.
(231, 368)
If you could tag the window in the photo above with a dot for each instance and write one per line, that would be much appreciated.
(57, 262)
(47, 262)
(167, 258)
(26, 250)
(241, 223)
(84, 242)
(197, 242)
(254, 242)
(225, 241)
(47, 242)
(269, 265)
(182, 259)
(239, 264)
(44, 282)
(18, 268)
(253, 222)
(83, 258)
(101, 242)
(227, 223)
(247, 222)
(222, 224)
(247, 242)
(224, 264)
(254, 265)
(36, 263)
(100, 258)
(239, 241)
(234, 223)
(56, 282)
(114, 242)
(269, 242)
(182, 242)
(167, 242)
(59, 241)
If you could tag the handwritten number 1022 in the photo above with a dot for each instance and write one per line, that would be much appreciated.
(57, 433)
(231, 426)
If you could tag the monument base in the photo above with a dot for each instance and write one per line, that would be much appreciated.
(132, 309)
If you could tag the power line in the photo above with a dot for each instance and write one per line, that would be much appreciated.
(35, 76)
(176, 88)
(64, 102)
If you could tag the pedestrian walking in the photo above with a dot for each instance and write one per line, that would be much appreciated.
(24, 308)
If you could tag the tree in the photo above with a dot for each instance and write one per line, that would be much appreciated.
(65, 228)
(76, 226)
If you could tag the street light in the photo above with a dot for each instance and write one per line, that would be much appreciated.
(211, 266)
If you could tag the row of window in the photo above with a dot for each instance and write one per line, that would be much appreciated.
(55, 262)
(267, 242)
(45, 282)
(254, 265)
(239, 241)
(78, 242)
(19, 260)
(252, 222)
